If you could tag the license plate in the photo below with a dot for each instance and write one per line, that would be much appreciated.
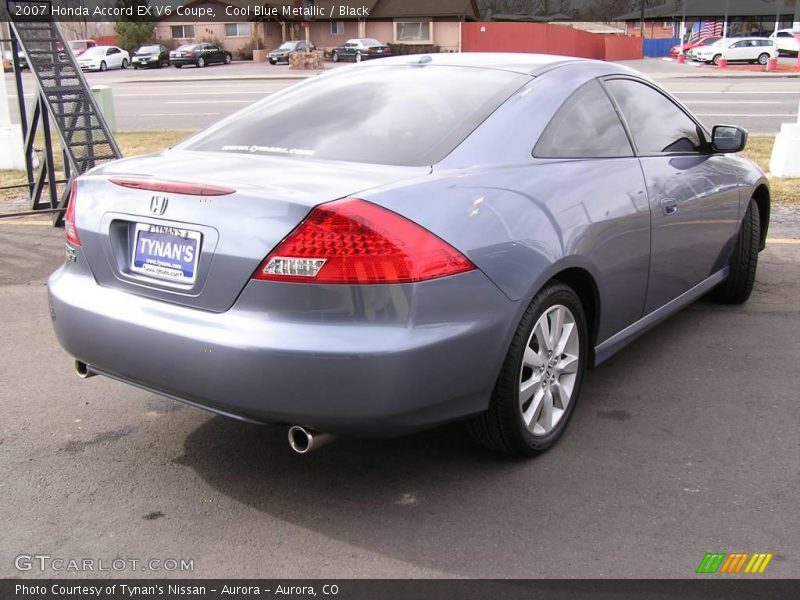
(167, 253)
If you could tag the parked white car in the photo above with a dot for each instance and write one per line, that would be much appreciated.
(746, 49)
(102, 58)
(786, 41)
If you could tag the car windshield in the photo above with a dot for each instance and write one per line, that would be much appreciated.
(77, 45)
(148, 50)
(96, 51)
(187, 47)
(287, 46)
(371, 42)
(710, 41)
(392, 115)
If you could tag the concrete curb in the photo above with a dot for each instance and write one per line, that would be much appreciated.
(287, 77)
(726, 75)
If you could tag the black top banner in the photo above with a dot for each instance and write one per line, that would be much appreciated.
(542, 11)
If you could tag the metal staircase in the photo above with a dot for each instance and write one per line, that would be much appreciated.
(65, 100)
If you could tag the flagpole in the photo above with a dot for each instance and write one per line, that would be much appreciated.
(725, 22)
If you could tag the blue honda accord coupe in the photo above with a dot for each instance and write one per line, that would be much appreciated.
(462, 243)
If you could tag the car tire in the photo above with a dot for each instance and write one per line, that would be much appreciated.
(201, 62)
(763, 58)
(503, 426)
(358, 57)
(103, 66)
(273, 61)
(135, 67)
(716, 59)
(177, 66)
(124, 63)
(228, 59)
(335, 56)
(744, 262)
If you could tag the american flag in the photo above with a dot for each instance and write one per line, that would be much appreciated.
(706, 29)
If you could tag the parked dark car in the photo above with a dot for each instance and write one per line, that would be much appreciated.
(200, 55)
(286, 49)
(151, 56)
(359, 49)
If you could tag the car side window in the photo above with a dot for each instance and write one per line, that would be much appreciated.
(586, 126)
(656, 124)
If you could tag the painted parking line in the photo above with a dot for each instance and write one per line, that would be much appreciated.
(753, 115)
(48, 222)
(733, 102)
(183, 114)
(726, 92)
(211, 102)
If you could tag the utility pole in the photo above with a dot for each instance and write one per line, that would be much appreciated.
(641, 26)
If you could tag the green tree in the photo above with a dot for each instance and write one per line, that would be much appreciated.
(133, 31)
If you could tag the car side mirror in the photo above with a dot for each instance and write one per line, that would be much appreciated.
(728, 138)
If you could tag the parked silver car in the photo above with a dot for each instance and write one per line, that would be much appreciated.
(750, 49)
(462, 243)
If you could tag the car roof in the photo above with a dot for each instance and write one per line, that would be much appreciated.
(528, 64)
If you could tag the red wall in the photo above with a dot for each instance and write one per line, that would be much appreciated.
(623, 48)
(106, 40)
(547, 39)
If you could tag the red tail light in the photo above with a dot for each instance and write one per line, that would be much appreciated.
(70, 230)
(371, 51)
(356, 242)
(174, 187)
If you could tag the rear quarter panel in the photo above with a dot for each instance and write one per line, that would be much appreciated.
(522, 220)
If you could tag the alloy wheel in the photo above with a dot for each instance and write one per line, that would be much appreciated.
(549, 370)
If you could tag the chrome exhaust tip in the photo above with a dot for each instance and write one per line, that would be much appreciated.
(303, 440)
(82, 369)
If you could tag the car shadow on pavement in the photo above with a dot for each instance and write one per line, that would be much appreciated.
(627, 469)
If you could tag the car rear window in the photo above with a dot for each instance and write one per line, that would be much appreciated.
(393, 115)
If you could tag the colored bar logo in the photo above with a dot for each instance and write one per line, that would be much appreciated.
(734, 562)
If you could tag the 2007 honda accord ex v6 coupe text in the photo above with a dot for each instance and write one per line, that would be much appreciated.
(461, 242)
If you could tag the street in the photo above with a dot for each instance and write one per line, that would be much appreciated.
(758, 106)
(192, 98)
(685, 442)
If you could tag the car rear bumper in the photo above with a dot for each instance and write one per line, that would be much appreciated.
(362, 361)
(182, 61)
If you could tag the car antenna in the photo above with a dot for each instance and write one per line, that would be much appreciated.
(421, 61)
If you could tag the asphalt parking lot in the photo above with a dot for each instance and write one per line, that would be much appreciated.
(686, 442)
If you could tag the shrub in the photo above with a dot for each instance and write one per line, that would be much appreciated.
(403, 49)
(169, 43)
(244, 52)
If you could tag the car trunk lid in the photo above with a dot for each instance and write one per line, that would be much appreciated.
(199, 245)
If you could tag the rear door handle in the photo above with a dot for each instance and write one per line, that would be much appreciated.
(669, 206)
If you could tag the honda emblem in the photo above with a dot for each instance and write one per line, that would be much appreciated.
(158, 204)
